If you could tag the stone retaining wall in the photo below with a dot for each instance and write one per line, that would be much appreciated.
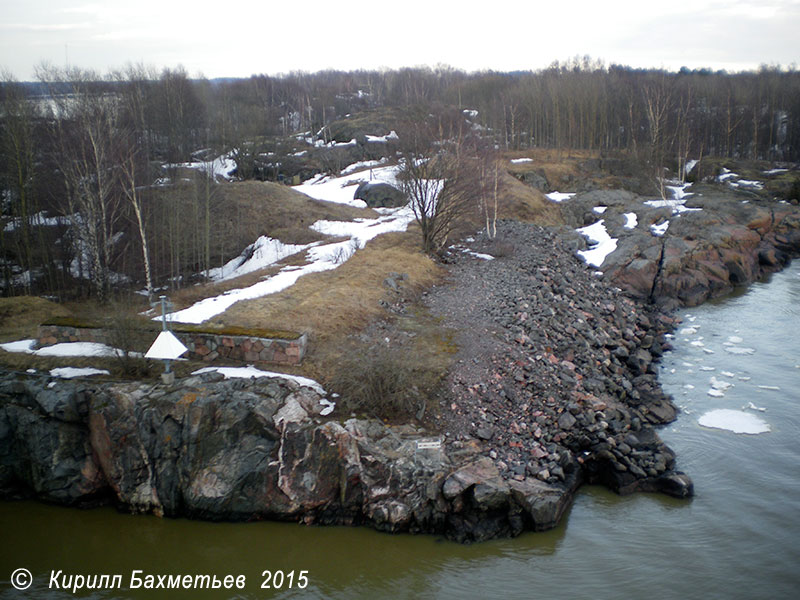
(202, 346)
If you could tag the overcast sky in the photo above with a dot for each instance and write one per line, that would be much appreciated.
(239, 38)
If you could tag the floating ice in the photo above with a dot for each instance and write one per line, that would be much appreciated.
(773, 388)
(688, 331)
(697, 343)
(735, 339)
(719, 384)
(752, 406)
(708, 368)
(734, 420)
(739, 350)
(715, 393)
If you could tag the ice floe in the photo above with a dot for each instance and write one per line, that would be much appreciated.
(734, 420)
(739, 350)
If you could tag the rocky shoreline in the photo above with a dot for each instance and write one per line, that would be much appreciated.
(554, 386)
(714, 240)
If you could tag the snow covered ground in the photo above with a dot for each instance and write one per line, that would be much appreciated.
(262, 253)
(218, 168)
(321, 257)
(342, 189)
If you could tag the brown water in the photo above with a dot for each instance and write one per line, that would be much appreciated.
(738, 538)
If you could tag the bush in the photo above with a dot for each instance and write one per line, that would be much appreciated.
(130, 334)
(381, 381)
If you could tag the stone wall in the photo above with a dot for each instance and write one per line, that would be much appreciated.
(202, 346)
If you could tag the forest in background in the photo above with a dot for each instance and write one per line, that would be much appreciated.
(93, 199)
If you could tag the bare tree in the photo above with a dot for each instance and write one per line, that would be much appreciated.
(441, 189)
(131, 174)
(657, 103)
(85, 131)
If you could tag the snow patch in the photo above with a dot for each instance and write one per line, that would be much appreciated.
(250, 371)
(342, 189)
(70, 372)
(265, 251)
(20, 346)
(659, 230)
(603, 243)
(631, 220)
(559, 196)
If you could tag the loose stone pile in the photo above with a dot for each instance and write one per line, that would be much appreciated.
(555, 376)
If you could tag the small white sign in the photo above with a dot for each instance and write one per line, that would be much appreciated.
(429, 444)
(166, 347)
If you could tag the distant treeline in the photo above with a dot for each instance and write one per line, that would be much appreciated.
(88, 147)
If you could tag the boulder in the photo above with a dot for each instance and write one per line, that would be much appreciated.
(380, 195)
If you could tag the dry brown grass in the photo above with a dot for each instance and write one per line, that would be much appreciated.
(20, 316)
(524, 203)
(266, 208)
(558, 166)
(335, 303)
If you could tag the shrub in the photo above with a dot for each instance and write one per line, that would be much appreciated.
(128, 333)
(381, 381)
